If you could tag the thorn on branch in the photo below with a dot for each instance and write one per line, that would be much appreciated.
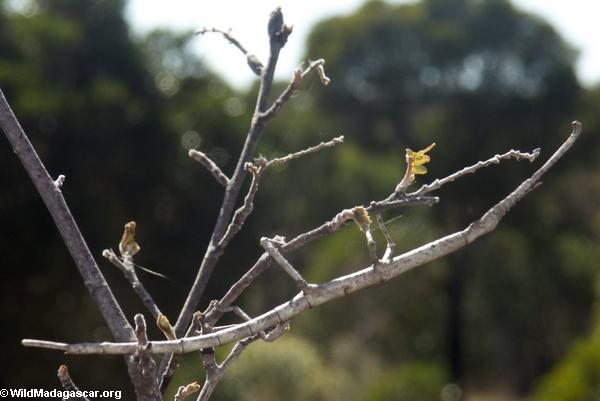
(210, 165)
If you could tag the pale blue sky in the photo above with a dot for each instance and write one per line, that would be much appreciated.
(577, 20)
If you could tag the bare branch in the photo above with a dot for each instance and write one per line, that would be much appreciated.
(267, 244)
(257, 169)
(57, 206)
(327, 228)
(341, 286)
(67, 382)
(253, 62)
(244, 211)
(313, 149)
(297, 78)
(239, 312)
(210, 166)
(511, 154)
(237, 351)
(278, 34)
(126, 266)
(391, 245)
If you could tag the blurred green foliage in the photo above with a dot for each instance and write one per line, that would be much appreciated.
(116, 114)
(577, 376)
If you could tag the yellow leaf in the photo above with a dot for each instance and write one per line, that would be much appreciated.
(416, 160)
(419, 169)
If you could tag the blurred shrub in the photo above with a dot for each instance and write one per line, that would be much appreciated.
(287, 369)
(577, 376)
(418, 381)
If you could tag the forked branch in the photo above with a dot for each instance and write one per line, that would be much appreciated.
(341, 286)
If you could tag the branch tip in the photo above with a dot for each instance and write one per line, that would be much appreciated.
(210, 165)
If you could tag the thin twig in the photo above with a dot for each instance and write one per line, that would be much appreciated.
(57, 206)
(341, 286)
(278, 33)
(210, 165)
(126, 266)
(511, 154)
(237, 351)
(253, 62)
(371, 246)
(327, 228)
(363, 220)
(239, 312)
(297, 78)
(267, 244)
(241, 214)
(257, 169)
(313, 149)
(68, 384)
(391, 245)
(270, 336)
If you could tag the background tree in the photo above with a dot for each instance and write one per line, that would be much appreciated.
(472, 76)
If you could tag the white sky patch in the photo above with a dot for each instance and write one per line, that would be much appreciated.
(577, 20)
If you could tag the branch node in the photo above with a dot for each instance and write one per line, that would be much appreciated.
(267, 244)
(277, 332)
(58, 183)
